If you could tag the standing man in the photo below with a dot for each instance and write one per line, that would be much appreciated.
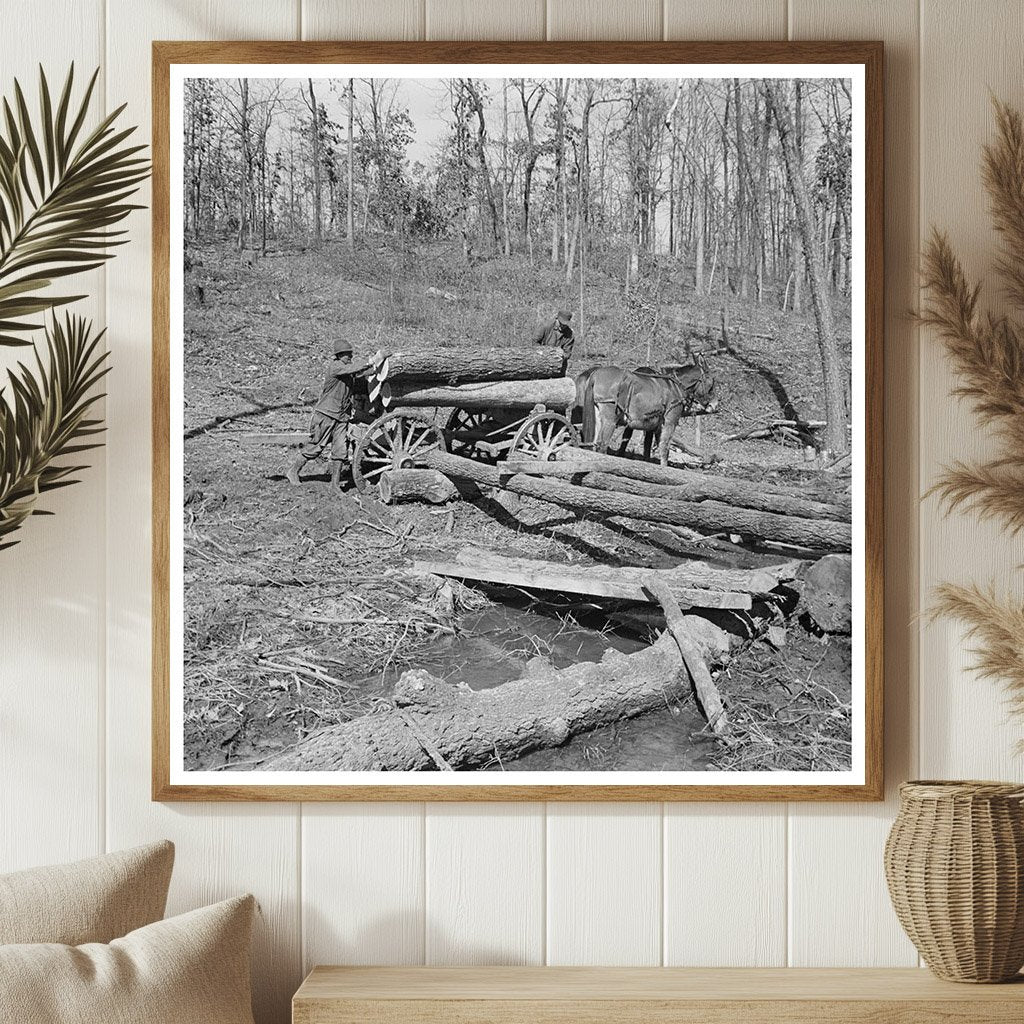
(556, 332)
(328, 423)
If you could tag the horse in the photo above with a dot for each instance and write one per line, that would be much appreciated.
(596, 391)
(654, 402)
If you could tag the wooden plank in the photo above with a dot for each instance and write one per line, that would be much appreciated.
(222, 849)
(383, 19)
(51, 583)
(604, 884)
(599, 585)
(484, 19)
(870, 934)
(648, 984)
(360, 906)
(485, 883)
(725, 19)
(604, 19)
(965, 728)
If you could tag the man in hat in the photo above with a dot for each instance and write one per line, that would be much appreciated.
(556, 331)
(328, 424)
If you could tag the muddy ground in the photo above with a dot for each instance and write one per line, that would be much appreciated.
(302, 608)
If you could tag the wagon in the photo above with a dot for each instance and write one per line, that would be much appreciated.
(400, 438)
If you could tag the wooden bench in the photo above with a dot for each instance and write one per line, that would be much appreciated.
(643, 995)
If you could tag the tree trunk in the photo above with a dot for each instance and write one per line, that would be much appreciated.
(243, 200)
(469, 366)
(836, 438)
(315, 110)
(350, 217)
(709, 517)
(557, 393)
(468, 728)
(398, 485)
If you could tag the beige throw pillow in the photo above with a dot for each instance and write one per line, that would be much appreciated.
(191, 969)
(93, 900)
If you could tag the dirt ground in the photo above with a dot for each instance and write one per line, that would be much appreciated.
(302, 608)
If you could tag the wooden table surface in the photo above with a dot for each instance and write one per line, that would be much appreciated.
(622, 995)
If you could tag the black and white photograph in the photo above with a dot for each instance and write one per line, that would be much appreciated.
(517, 425)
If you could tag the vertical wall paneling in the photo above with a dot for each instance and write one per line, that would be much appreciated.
(223, 849)
(604, 19)
(485, 883)
(485, 19)
(725, 867)
(362, 884)
(604, 891)
(382, 19)
(725, 885)
(966, 52)
(725, 19)
(51, 582)
(849, 839)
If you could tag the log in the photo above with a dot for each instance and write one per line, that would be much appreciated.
(557, 393)
(397, 485)
(468, 728)
(741, 493)
(596, 581)
(697, 487)
(710, 517)
(731, 490)
(707, 692)
(828, 593)
(469, 366)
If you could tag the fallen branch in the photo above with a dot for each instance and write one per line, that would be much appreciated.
(707, 692)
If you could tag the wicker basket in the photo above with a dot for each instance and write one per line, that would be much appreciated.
(954, 862)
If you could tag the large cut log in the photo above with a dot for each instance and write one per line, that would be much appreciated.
(737, 492)
(709, 486)
(398, 485)
(464, 728)
(709, 517)
(469, 366)
(556, 393)
(828, 593)
(701, 487)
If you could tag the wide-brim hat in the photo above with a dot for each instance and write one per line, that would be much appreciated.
(342, 348)
(565, 315)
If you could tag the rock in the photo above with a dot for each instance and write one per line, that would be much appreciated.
(827, 595)
(776, 636)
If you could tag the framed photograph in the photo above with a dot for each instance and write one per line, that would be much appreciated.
(517, 423)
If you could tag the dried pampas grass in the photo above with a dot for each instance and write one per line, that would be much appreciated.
(987, 354)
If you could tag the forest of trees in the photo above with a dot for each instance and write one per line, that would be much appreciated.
(742, 185)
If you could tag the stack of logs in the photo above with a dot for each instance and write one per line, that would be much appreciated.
(606, 485)
(471, 379)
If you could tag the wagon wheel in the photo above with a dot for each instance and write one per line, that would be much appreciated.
(464, 420)
(395, 441)
(541, 436)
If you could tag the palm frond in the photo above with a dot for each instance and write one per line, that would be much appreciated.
(997, 627)
(45, 417)
(62, 191)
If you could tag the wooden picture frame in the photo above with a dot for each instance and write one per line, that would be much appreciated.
(168, 783)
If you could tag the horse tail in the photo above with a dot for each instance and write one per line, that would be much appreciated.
(589, 411)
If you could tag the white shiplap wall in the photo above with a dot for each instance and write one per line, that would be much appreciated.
(508, 883)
